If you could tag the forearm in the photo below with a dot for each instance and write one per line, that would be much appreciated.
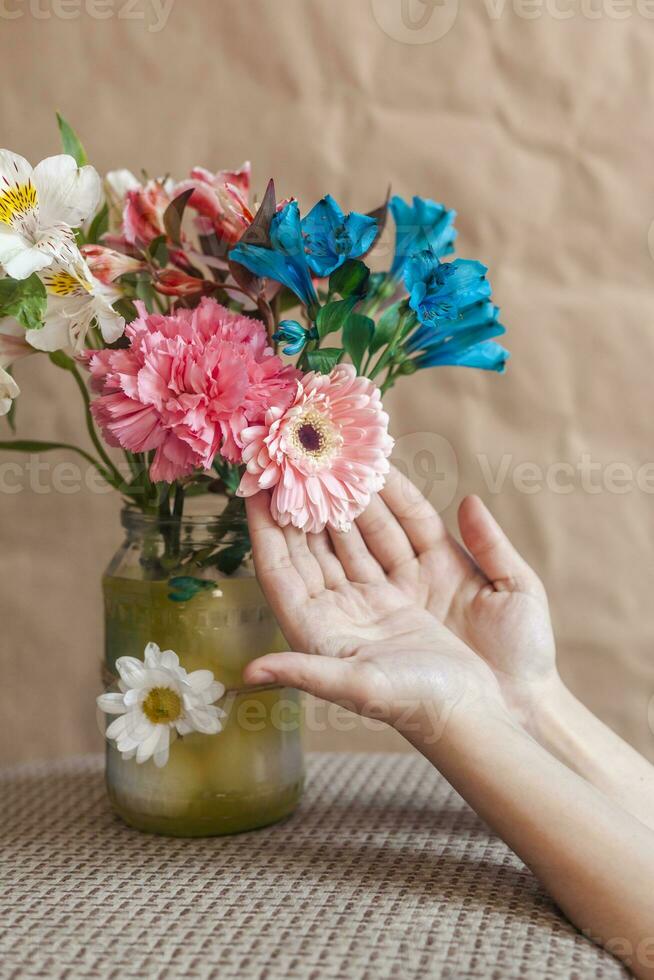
(567, 729)
(595, 860)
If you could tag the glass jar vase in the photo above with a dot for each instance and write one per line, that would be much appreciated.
(161, 587)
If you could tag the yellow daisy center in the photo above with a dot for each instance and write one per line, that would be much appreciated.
(162, 706)
(65, 284)
(313, 436)
(17, 201)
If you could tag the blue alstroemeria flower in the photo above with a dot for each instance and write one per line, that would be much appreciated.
(296, 335)
(285, 260)
(331, 237)
(423, 225)
(457, 321)
(441, 289)
(464, 341)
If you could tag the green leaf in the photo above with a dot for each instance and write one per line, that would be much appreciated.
(380, 215)
(332, 316)
(258, 233)
(35, 446)
(126, 308)
(386, 327)
(228, 559)
(351, 279)
(145, 292)
(229, 474)
(324, 360)
(158, 250)
(61, 360)
(173, 215)
(185, 587)
(99, 226)
(71, 142)
(357, 334)
(25, 300)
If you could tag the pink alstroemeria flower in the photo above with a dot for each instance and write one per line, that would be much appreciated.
(221, 201)
(107, 265)
(144, 211)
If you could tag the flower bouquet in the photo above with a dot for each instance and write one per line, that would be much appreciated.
(221, 346)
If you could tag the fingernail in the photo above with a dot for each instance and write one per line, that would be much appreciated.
(261, 677)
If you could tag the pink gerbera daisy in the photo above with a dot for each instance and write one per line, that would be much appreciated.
(324, 455)
(187, 385)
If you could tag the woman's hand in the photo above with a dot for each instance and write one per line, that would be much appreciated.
(383, 654)
(488, 595)
(493, 601)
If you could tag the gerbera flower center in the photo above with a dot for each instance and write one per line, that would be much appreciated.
(310, 438)
(162, 706)
(313, 436)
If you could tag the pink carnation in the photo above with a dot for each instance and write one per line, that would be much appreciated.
(187, 386)
(324, 455)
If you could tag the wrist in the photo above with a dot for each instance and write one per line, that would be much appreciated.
(540, 705)
(436, 730)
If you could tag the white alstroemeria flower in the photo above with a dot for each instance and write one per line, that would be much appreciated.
(75, 299)
(8, 391)
(13, 346)
(118, 183)
(159, 700)
(39, 207)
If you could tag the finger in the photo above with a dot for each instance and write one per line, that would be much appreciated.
(304, 561)
(332, 570)
(489, 546)
(384, 536)
(324, 677)
(358, 564)
(420, 522)
(277, 575)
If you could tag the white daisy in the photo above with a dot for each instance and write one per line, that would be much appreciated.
(75, 299)
(159, 700)
(39, 207)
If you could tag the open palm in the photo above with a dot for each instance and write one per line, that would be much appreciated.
(487, 595)
(381, 652)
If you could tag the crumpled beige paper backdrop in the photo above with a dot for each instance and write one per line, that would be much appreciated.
(539, 131)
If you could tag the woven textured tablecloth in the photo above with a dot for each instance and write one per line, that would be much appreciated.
(382, 872)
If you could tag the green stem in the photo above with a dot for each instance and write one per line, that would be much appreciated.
(303, 364)
(178, 511)
(163, 505)
(389, 380)
(389, 353)
(117, 480)
(178, 505)
(133, 463)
